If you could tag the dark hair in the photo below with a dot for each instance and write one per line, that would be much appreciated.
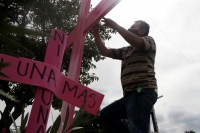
(144, 25)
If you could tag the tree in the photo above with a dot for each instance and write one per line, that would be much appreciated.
(191, 131)
(42, 15)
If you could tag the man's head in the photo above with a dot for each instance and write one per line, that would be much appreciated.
(140, 28)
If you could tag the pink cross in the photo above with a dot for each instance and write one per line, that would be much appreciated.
(86, 21)
(47, 75)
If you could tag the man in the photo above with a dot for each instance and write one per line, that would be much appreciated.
(137, 78)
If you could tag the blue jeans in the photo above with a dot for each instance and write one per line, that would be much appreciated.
(135, 107)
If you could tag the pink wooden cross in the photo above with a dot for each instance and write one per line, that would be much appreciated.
(48, 77)
(86, 21)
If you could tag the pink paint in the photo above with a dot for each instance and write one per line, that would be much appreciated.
(43, 98)
(48, 77)
(93, 18)
(86, 21)
(76, 57)
(25, 74)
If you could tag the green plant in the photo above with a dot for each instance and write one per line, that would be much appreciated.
(77, 122)
(21, 128)
(77, 126)
(191, 131)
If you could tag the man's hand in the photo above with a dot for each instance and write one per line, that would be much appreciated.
(95, 29)
(110, 23)
(100, 45)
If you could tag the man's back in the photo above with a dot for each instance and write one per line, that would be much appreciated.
(137, 69)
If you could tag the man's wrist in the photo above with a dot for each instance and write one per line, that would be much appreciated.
(95, 33)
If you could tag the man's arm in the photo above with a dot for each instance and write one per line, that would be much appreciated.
(101, 47)
(131, 38)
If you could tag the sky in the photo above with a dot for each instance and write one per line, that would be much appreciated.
(175, 28)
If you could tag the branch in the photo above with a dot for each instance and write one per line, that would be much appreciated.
(8, 108)
(18, 110)
(15, 114)
(4, 96)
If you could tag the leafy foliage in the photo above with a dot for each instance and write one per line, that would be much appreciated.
(191, 131)
(83, 122)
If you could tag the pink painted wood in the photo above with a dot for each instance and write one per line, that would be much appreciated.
(49, 77)
(93, 18)
(76, 57)
(86, 21)
(37, 124)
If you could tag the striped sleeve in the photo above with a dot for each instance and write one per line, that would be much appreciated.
(149, 43)
(118, 53)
